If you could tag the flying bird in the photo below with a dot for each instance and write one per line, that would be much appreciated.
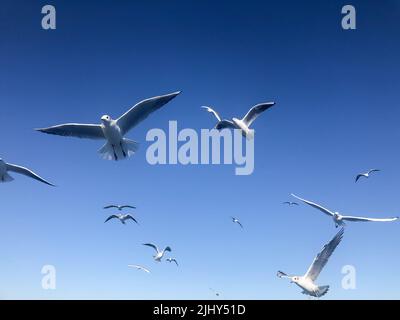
(173, 260)
(215, 292)
(113, 131)
(339, 219)
(234, 220)
(307, 282)
(5, 168)
(159, 253)
(366, 174)
(290, 203)
(121, 217)
(139, 267)
(243, 124)
(119, 207)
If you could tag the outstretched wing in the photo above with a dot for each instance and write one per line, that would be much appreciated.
(167, 249)
(111, 217)
(151, 245)
(314, 205)
(362, 219)
(26, 172)
(215, 113)
(223, 124)
(256, 111)
(142, 110)
(281, 274)
(139, 267)
(110, 206)
(128, 206)
(322, 258)
(373, 170)
(90, 131)
(359, 176)
(132, 218)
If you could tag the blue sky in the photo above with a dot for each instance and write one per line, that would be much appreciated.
(336, 115)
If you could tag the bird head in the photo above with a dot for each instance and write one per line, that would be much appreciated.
(294, 279)
(106, 119)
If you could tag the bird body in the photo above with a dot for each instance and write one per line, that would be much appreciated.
(307, 281)
(116, 147)
(121, 217)
(339, 219)
(6, 167)
(159, 253)
(242, 124)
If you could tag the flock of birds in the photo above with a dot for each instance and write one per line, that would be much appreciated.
(118, 147)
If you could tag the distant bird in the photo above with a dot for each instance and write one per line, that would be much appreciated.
(366, 174)
(8, 167)
(307, 282)
(290, 203)
(243, 124)
(215, 292)
(159, 253)
(139, 267)
(119, 207)
(338, 219)
(173, 260)
(121, 217)
(113, 131)
(234, 220)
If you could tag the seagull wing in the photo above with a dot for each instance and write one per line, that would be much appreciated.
(90, 131)
(322, 258)
(362, 219)
(26, 172)
(132, 218)
(373, 170)
(215, 113)
(110, 206)
(142, 110)
(225, 124)
(316, 206)
(111, 217)
(256, 111)
(238, 222)
(151, 245)
(128, 206)
(359, 176)
(174, 260)
(139, 267)
(167, 249)
(281, 274)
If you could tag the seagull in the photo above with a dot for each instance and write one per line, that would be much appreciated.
(8, 167)
(234, 220)
(159, 254)
(121, 217)
(290, 203)
(243, 124)
(113, 131)
(119, 207)
(307, 282)
(366, 174)
(173, 260)
(339, 219)
(139, 267)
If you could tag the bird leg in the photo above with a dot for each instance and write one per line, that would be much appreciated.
(123, 151)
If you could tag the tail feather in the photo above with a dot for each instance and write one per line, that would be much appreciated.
(124, 150)
(6, 178)
(322, 290)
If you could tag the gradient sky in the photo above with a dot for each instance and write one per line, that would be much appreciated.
(337, 114)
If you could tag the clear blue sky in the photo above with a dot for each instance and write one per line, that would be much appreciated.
(337, 114)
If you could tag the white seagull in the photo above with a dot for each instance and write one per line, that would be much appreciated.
(139, 267)
(366, 174)
(234, 220)
(243, 124)
(113, 131)
(8, 167)
(121, 217)
(173, 260)
(159, 253)
(119, 207)
(307, 282)
(339, 219)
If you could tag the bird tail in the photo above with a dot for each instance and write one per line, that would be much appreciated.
(322, 290)
(6, 178)
(118, 152)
